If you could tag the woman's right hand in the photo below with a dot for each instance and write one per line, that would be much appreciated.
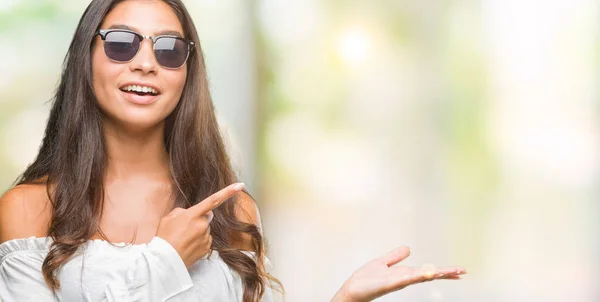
(188, 230)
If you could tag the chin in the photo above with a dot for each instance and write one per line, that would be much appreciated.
(135, 118)
(136, 122)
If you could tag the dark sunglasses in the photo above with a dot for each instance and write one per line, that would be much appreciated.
(121, 45)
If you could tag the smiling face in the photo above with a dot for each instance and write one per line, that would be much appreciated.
(113, 81)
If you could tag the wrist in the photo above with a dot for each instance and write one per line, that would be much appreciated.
(343, 295)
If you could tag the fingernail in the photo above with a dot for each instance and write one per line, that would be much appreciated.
(238, 186)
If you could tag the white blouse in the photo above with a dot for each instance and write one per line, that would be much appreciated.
(101, 271)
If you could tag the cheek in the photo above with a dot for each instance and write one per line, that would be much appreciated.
(176, 80)
(104, 76)
(100, 73)
(179, 78)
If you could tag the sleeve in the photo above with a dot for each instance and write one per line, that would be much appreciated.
(273, 293)
(21, 278)
(216, 281)
(158, 274)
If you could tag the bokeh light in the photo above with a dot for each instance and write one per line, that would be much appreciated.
(354, 46)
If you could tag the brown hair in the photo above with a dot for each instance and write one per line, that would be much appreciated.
(72, 158)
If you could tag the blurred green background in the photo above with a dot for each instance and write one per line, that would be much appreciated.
(467, 130)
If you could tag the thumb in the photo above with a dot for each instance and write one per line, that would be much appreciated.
(396, 255)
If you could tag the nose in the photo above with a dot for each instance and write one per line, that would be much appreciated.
(145, 61)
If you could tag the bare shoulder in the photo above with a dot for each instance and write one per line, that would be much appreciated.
(246, 211)
(25, 211)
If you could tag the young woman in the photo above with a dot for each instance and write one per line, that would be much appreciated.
(132, 154)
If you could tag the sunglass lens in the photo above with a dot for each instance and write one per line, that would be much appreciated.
(171, 52)
(121, 46)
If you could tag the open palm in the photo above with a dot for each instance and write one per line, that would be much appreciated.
(379, 277)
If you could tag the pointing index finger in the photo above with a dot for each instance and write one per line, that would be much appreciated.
(213, 201)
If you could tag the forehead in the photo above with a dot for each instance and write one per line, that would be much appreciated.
(147, 17)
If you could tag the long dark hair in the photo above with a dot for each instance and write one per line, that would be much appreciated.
(72, 159)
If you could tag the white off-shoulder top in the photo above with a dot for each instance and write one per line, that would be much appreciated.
(101, 271)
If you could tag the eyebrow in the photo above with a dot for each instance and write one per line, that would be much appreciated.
(159, 33)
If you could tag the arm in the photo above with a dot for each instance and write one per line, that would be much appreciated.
(23, 214)
(247, 211)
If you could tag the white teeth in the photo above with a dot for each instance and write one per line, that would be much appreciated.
(137, 88)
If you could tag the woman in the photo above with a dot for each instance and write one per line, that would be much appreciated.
(132, 154)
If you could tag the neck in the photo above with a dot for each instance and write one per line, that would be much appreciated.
(136, 154)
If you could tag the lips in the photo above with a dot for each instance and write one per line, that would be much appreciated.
(140, 93)
(140, 99)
